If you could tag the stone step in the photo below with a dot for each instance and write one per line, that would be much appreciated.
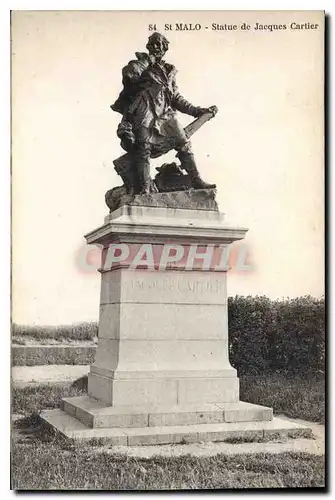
(96, 414)
(71, 427)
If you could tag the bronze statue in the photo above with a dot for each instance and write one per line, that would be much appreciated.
(149, 127)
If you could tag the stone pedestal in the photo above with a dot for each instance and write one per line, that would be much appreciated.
(163, 334)
(162, 371)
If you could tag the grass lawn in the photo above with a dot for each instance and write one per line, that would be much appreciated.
(297, 397)
(33, 399)
(37, 465)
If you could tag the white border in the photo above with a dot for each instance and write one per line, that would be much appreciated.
(169, 5)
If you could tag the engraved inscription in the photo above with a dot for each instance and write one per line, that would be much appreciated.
(178, 284)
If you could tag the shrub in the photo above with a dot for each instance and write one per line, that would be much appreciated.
(270, 336)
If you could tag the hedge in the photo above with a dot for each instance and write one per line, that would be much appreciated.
(32, 355)
(283, 335)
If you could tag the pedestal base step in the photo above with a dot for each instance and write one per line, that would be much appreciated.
(96, 414)
(71, 427)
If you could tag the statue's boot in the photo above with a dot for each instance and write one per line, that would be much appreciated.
(129, 184)
(143, 169)
(188, 164)
(125, 169)
(142, 160)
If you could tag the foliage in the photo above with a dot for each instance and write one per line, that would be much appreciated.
(268, 336)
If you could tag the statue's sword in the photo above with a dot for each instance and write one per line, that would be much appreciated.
(124, 162)
(199, 122)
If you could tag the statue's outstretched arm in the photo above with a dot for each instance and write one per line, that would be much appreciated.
(181, 104)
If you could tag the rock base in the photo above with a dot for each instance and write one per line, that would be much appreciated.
(192, 199)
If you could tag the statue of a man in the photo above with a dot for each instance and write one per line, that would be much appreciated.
(148, 104)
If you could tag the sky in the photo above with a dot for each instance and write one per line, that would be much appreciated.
(264, 149)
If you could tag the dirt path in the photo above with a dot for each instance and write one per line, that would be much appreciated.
(31, 341)
(44, 374)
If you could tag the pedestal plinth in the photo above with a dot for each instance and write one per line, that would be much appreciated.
(162, 371)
